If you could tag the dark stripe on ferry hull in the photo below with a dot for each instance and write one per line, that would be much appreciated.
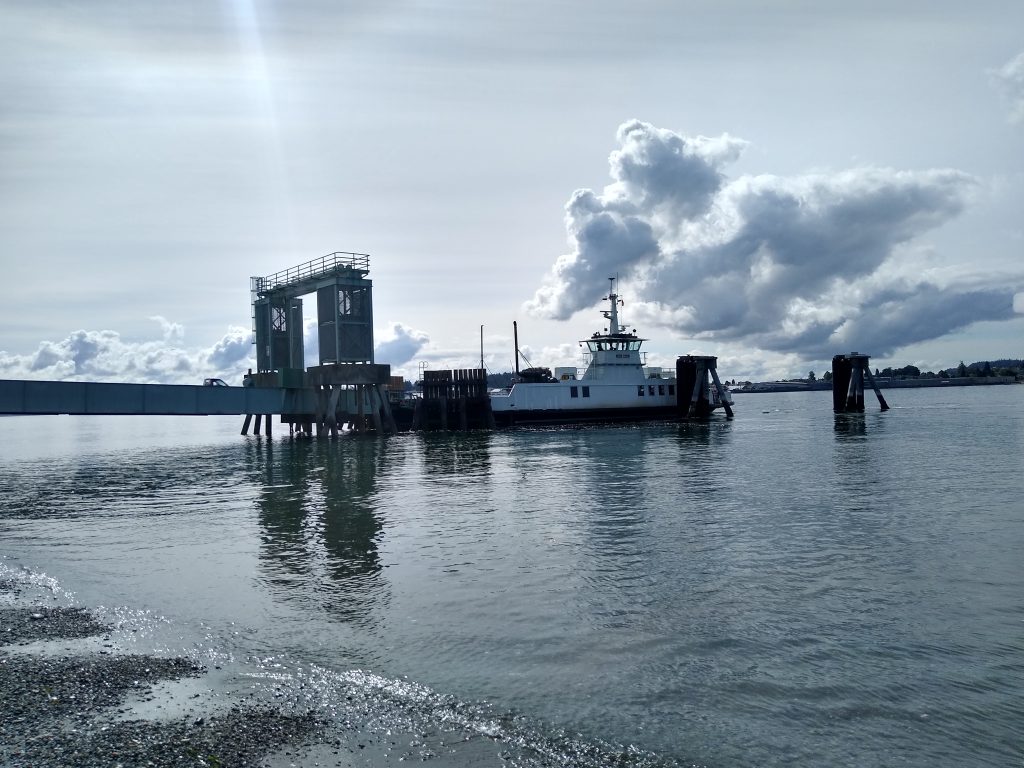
(585, 416)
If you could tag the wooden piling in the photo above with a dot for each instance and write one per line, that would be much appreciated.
(874, 386)
(848, 373)
(332, 408)
(454, 397)
(384, 419)
(692, 383)
(719, 388)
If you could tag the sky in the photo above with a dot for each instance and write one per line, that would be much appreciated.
(772, 183)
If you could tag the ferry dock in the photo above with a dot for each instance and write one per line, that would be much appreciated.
(348, 391)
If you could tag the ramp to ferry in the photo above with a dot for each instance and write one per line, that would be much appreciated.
(102, 399)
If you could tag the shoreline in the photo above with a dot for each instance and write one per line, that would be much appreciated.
(69, 706)
(74, 698)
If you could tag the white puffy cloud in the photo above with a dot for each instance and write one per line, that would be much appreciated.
(805, 265)
(658, 170)
(105, 356)
(173, 332)
(1009, 81)
(659, 178)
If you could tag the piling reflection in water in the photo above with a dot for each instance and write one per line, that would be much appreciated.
(464, 454)
(110, 486)
(319, 524)
(856, 458)
(849, 425)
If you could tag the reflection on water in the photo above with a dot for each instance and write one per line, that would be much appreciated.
(849, 425)
(462, 454)
(786, 588)
(148, 483)
(319, 524)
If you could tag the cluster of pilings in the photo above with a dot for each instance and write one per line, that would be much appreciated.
(692, 374)
(259, 423)
(331, 398)
(337, 398)
(848, 374)
(454, 399)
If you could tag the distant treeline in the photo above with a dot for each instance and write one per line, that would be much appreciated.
(1005, 367)
(500, 380)
(982, 368)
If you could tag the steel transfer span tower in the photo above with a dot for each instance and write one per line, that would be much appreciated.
(344, 299)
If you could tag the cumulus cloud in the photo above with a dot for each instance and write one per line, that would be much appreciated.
(233, 349)
(399, 345)
(173, 332)
(659, 178)
(105, 356)
(808, 265)
(1009, 81)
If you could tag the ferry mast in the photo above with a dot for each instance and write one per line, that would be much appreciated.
(612, 315)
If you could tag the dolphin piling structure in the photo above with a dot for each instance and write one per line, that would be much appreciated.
(848, 374)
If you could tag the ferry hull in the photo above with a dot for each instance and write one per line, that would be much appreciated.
(584, 415)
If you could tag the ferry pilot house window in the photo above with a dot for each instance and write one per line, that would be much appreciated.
(640, 390)
(573, 392)
(278, 319)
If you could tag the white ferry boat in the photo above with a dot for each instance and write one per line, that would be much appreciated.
(615, 386)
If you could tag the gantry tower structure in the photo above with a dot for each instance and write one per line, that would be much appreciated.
(344, 299)
(348, 385)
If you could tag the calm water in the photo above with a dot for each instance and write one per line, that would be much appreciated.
(788, 588)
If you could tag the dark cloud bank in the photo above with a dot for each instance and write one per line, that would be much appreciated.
(811, 265)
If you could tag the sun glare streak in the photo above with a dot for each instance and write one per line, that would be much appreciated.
(257, 77)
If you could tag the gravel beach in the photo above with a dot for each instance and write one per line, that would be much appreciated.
(72, 696)
(67, 707)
